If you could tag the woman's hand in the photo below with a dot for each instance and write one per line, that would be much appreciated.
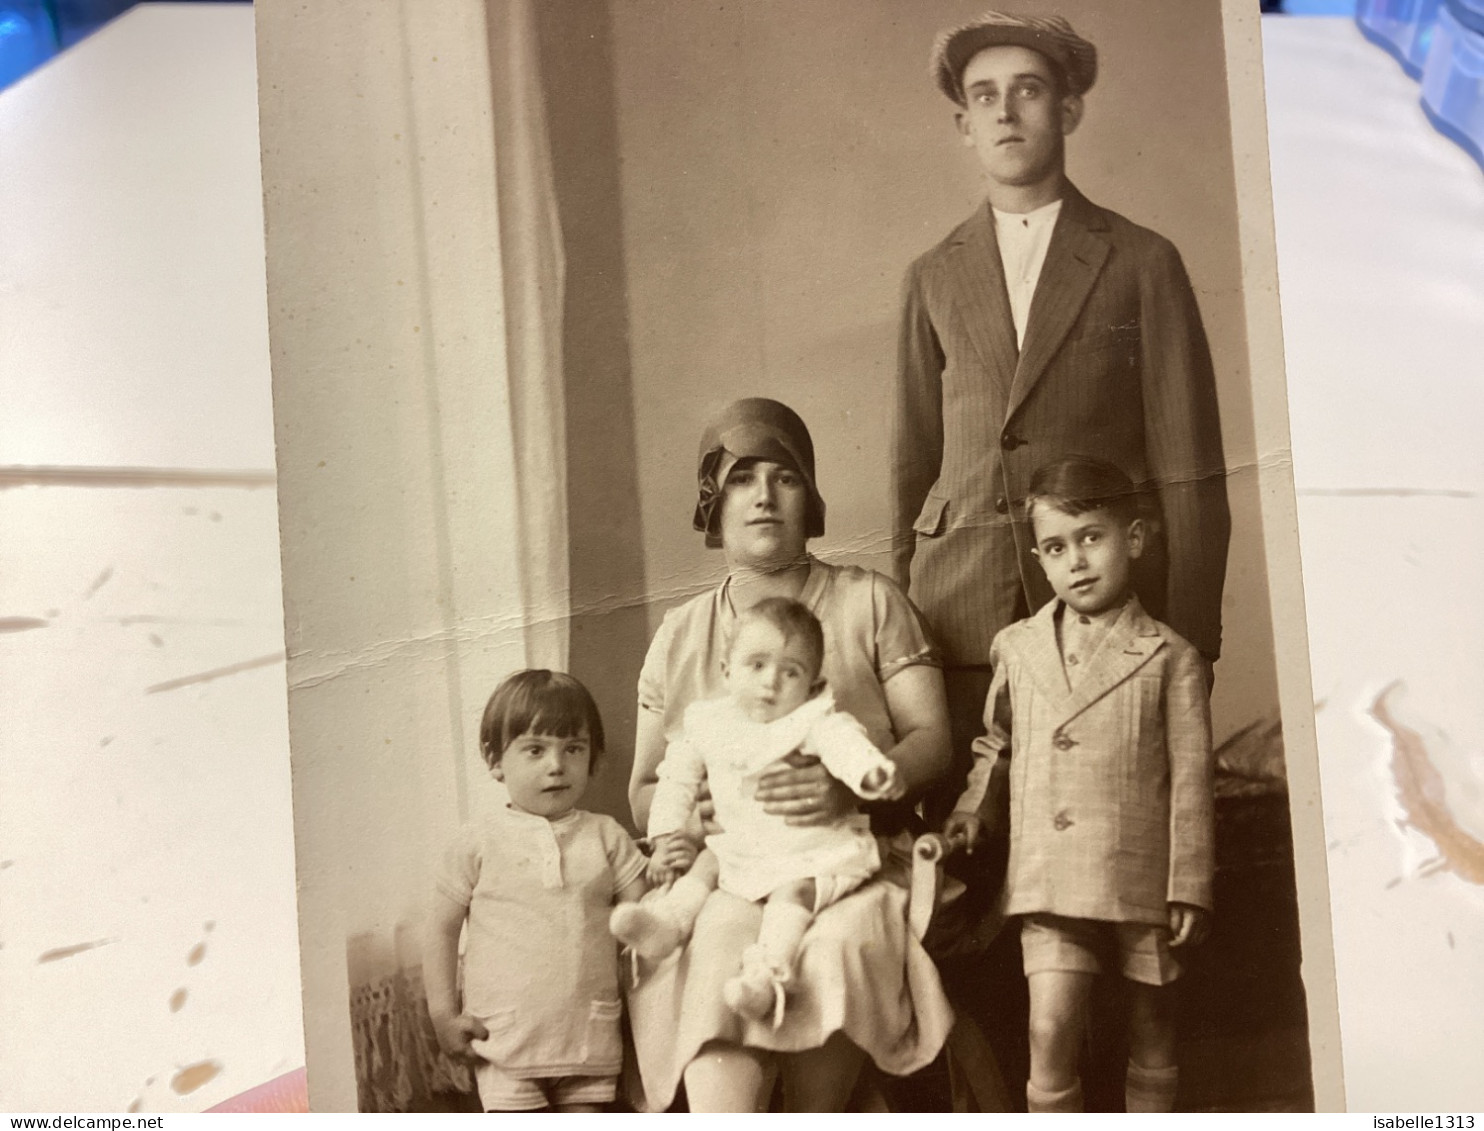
(455, 1032)
(800, 790)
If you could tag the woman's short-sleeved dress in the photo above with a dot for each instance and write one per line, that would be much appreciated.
(860, 971)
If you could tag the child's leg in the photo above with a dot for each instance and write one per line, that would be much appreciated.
(1152, 1072)
(766, 967)
(1058, 1020)
(786, 916)
(659, 925)
(581, 1093)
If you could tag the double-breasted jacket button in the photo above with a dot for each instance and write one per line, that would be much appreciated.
(1011, 441)
(1063, 741)
(1061, 822)
(1001, 504)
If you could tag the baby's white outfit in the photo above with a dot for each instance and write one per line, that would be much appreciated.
(758, 852)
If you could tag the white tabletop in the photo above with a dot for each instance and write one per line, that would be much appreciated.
(146, 857)
(1381, 264)
(146, 862)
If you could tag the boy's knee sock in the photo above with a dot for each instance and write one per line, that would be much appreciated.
(1150, 1089)
(1068, 1099)
(782, 931)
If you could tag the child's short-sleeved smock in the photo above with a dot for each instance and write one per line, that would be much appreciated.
(540, 967)
(860, 971)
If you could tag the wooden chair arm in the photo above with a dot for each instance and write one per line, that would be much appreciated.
(928, 853)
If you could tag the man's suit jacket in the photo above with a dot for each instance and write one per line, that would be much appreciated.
(1115, 365)
(1111, 803)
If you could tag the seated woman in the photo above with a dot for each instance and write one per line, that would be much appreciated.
(863, 986)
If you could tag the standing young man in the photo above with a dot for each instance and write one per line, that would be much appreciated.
(1043, 326)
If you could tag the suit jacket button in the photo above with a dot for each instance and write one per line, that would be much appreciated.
(1011, 441)
(1001, 504)
(1063, 742)
(1062, 822)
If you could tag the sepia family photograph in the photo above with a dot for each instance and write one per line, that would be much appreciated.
(790, 578)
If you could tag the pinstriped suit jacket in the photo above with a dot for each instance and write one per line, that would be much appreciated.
(1115, 366)
(1111, 802)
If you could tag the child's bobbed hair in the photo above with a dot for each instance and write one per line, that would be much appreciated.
(791, 618)
(1077, 484)
(537, 701)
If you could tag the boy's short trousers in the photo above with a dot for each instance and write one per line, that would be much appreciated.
(1056, 942)
(499, 1091)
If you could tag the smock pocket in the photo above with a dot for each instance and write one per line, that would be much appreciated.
(933, 516)
(604, 1040)
(503, 1038)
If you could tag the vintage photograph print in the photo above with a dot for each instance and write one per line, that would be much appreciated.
(791, 581)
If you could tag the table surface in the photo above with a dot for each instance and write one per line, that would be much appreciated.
(146, 855)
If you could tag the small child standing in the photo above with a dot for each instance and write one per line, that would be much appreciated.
(535, 886)
(1104, 715)
(775, 704)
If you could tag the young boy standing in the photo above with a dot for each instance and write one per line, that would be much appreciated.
(1041, 325)
(1104, 712)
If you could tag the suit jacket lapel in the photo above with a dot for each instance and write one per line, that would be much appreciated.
(1041, 656)
(1128, 645)
(979, 285)
(1074, 259)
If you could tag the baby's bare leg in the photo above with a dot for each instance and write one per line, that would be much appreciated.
(786, 916)
(1152, 1072)
(800, 893)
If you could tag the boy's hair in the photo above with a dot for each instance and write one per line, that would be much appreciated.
(794, 620)
(538, 701)
(1078, 484)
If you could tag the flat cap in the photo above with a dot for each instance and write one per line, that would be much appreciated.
(1052, 36)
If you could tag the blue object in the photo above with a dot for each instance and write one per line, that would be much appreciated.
(1469, 13)
(1403, 27)
(28, 38)
(32, 31)
(1319, 7)
(1453, 81)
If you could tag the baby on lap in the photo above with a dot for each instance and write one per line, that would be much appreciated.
(776, 704)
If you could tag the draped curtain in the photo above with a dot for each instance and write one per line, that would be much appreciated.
(398, 1064)
(415, 299)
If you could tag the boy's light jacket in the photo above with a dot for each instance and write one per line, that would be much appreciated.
(1111, 803)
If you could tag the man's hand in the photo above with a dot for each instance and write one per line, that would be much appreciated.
(800, 790)
(1188, 924)
(963, 830)
(672, 857)
(454, 1034)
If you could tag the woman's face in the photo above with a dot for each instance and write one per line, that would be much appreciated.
(764, 513)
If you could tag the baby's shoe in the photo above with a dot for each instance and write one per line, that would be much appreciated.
(648, 928)
(758, 991)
